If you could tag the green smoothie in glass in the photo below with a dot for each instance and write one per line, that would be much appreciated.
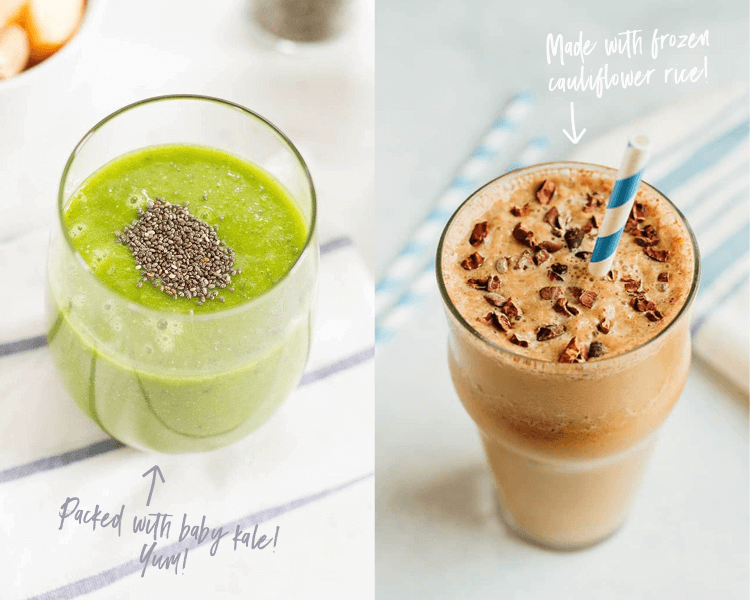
(190, 372)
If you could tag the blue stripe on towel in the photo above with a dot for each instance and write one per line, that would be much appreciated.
(102, 447)
(724, 257)
(720, 208)
(690, 134)
(699, 320)
(82, 587)
(704, 158)
(712, 190)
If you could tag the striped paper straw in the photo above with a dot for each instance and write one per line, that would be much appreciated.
(421, 246)
(620, 202)
(391, 320)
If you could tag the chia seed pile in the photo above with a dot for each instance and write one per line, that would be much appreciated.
(178, 252)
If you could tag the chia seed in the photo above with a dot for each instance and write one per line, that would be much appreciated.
(178, 252)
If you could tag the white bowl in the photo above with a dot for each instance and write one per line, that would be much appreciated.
(31, 156)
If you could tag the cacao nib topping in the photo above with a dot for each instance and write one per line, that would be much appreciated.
(575, 291)
(498, 321)
(571, 354)
(478, 284)
(551, 246)
(639, 210)
(612, 275)
(573, 238)
(604, 326)
(545, 192)
(646, 236)
(596, 349)
(664, 276)
(494, 283)
(548, 332)
(502, 264)
(632, 285)
(479, 233)
(557, 271)
(524, 261)
(592, 202)
(514, 339)
(550, 293)
(540, 256)
(511, 309)
(588, 298)
(587, 228)
(596, 221)
(521, 211)
(641, 304)
(551, 217)
(564, 308)
(657, 255)
(642, 241)
(495, 300)
(523, 235)
(631, 225)
(583, 254)
(473, 261)
(654, 315)
(491, 284)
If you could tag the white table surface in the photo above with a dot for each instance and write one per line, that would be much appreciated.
(443, 71)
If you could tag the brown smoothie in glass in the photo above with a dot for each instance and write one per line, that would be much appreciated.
(566, 375)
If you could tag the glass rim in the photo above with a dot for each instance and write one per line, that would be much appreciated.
(536, 361)
(219, 314)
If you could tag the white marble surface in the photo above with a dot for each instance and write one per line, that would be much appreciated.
(443, 71)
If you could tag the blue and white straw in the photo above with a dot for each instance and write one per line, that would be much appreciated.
(389, 321)
(421, 247)
(620, 202)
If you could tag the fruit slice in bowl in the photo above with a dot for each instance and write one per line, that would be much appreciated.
(14, 51)
(49, 24)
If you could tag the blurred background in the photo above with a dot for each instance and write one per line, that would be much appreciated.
(444, 72)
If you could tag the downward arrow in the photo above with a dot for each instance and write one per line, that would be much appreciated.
(573, 138)
(156, 471)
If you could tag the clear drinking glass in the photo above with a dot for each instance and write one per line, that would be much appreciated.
(567, 444)
(178, 382)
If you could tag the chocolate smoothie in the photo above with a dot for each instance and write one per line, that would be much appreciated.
(566, 375)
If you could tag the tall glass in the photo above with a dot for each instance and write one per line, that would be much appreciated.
(567, 444)
(180, 382)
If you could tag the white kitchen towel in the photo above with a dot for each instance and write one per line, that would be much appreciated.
(701, 163)
(307, 471)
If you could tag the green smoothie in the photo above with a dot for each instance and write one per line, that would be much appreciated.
(173, 374)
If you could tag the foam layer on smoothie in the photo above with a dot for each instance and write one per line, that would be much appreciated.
(579, 195)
